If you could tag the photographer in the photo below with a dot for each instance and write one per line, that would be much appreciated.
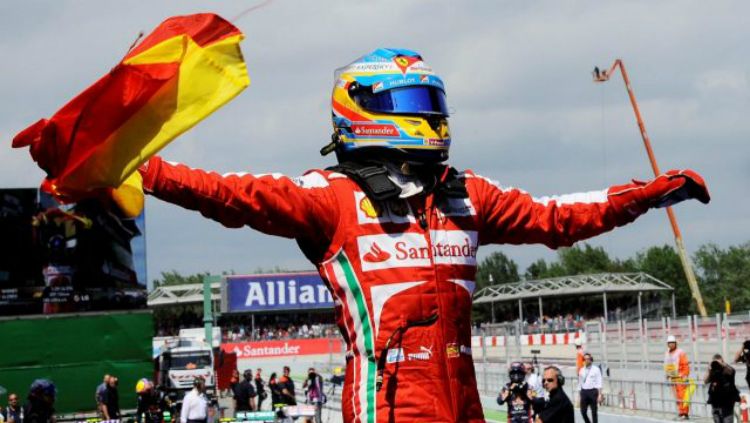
(743, 356)
(517, 395)
(722, 392)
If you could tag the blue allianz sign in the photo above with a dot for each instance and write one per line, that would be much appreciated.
(284, 291)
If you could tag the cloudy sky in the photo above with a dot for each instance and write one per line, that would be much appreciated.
(525, 111)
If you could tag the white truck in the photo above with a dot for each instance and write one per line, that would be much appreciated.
(181, 362)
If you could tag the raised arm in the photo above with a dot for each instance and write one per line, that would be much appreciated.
(512, 216)
(303, 208)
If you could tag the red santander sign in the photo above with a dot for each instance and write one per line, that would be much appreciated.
(374, 130)
(290, 347)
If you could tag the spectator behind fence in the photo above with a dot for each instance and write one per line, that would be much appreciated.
(722, 391)
(111, 400)
(743, 356)
(99, 396)
(13, 413)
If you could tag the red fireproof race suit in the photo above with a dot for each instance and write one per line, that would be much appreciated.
(401, 272)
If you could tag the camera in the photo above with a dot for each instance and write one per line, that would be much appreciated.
(519, 388)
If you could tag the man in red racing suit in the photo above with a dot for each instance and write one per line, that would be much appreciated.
(401, 267)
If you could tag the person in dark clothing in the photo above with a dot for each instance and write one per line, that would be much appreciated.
(557, 408)
(150, 403)
(245, 396)
(13, 414)
(260, 388)
(743, 356)
(287, 388)
(40, 406)
(234, 384)
(273, 386)
(722, 391)
(112, 399)
(517, 395)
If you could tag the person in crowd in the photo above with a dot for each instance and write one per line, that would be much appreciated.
(534, 380)
(195, 403)
(517, 395)
(722, 391)
(579, 354)
(260, 388)
(245, 397)
(111, 400)
(13, 413)
(590, 384)
(557, 408)
(287, 388)
(743, 356)
(314, 395)
(234, 384)
(677, 371)
(40, 403)
(99, 395)
(273, 386)
(150, 402)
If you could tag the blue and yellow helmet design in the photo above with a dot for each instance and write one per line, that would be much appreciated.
(390, 100)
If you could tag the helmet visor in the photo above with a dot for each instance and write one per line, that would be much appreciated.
(413, 100)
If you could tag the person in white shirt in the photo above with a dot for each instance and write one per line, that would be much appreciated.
(590, 384)
(534, 381)
(195, 403)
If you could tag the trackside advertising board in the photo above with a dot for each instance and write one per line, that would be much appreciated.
(275, 292)
(290, 347)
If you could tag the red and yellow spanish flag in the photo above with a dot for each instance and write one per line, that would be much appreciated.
(188, 67)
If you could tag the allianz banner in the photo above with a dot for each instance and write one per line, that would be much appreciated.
(275, 292)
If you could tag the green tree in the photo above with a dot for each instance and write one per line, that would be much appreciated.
(664, 264)
(503, 270)
(724, 274)
(579, 260)
(174, 278)
(537, 270)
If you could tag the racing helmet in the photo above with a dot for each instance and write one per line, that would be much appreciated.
(389, 103)
(143, 386)
(43, 389)
(517, 372)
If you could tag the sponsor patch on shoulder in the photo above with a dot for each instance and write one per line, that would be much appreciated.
(310, 180)
(456, 207)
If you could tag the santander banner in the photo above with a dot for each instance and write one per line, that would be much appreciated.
(290, 347)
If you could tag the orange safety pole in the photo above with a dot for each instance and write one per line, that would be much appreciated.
(602, 76)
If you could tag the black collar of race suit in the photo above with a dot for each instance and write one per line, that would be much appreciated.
(372, 177)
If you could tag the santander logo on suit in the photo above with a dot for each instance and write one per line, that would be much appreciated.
(385, 251)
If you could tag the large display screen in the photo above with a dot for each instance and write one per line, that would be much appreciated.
(68, 258)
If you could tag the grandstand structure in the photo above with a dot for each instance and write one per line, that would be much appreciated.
(577, 285)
